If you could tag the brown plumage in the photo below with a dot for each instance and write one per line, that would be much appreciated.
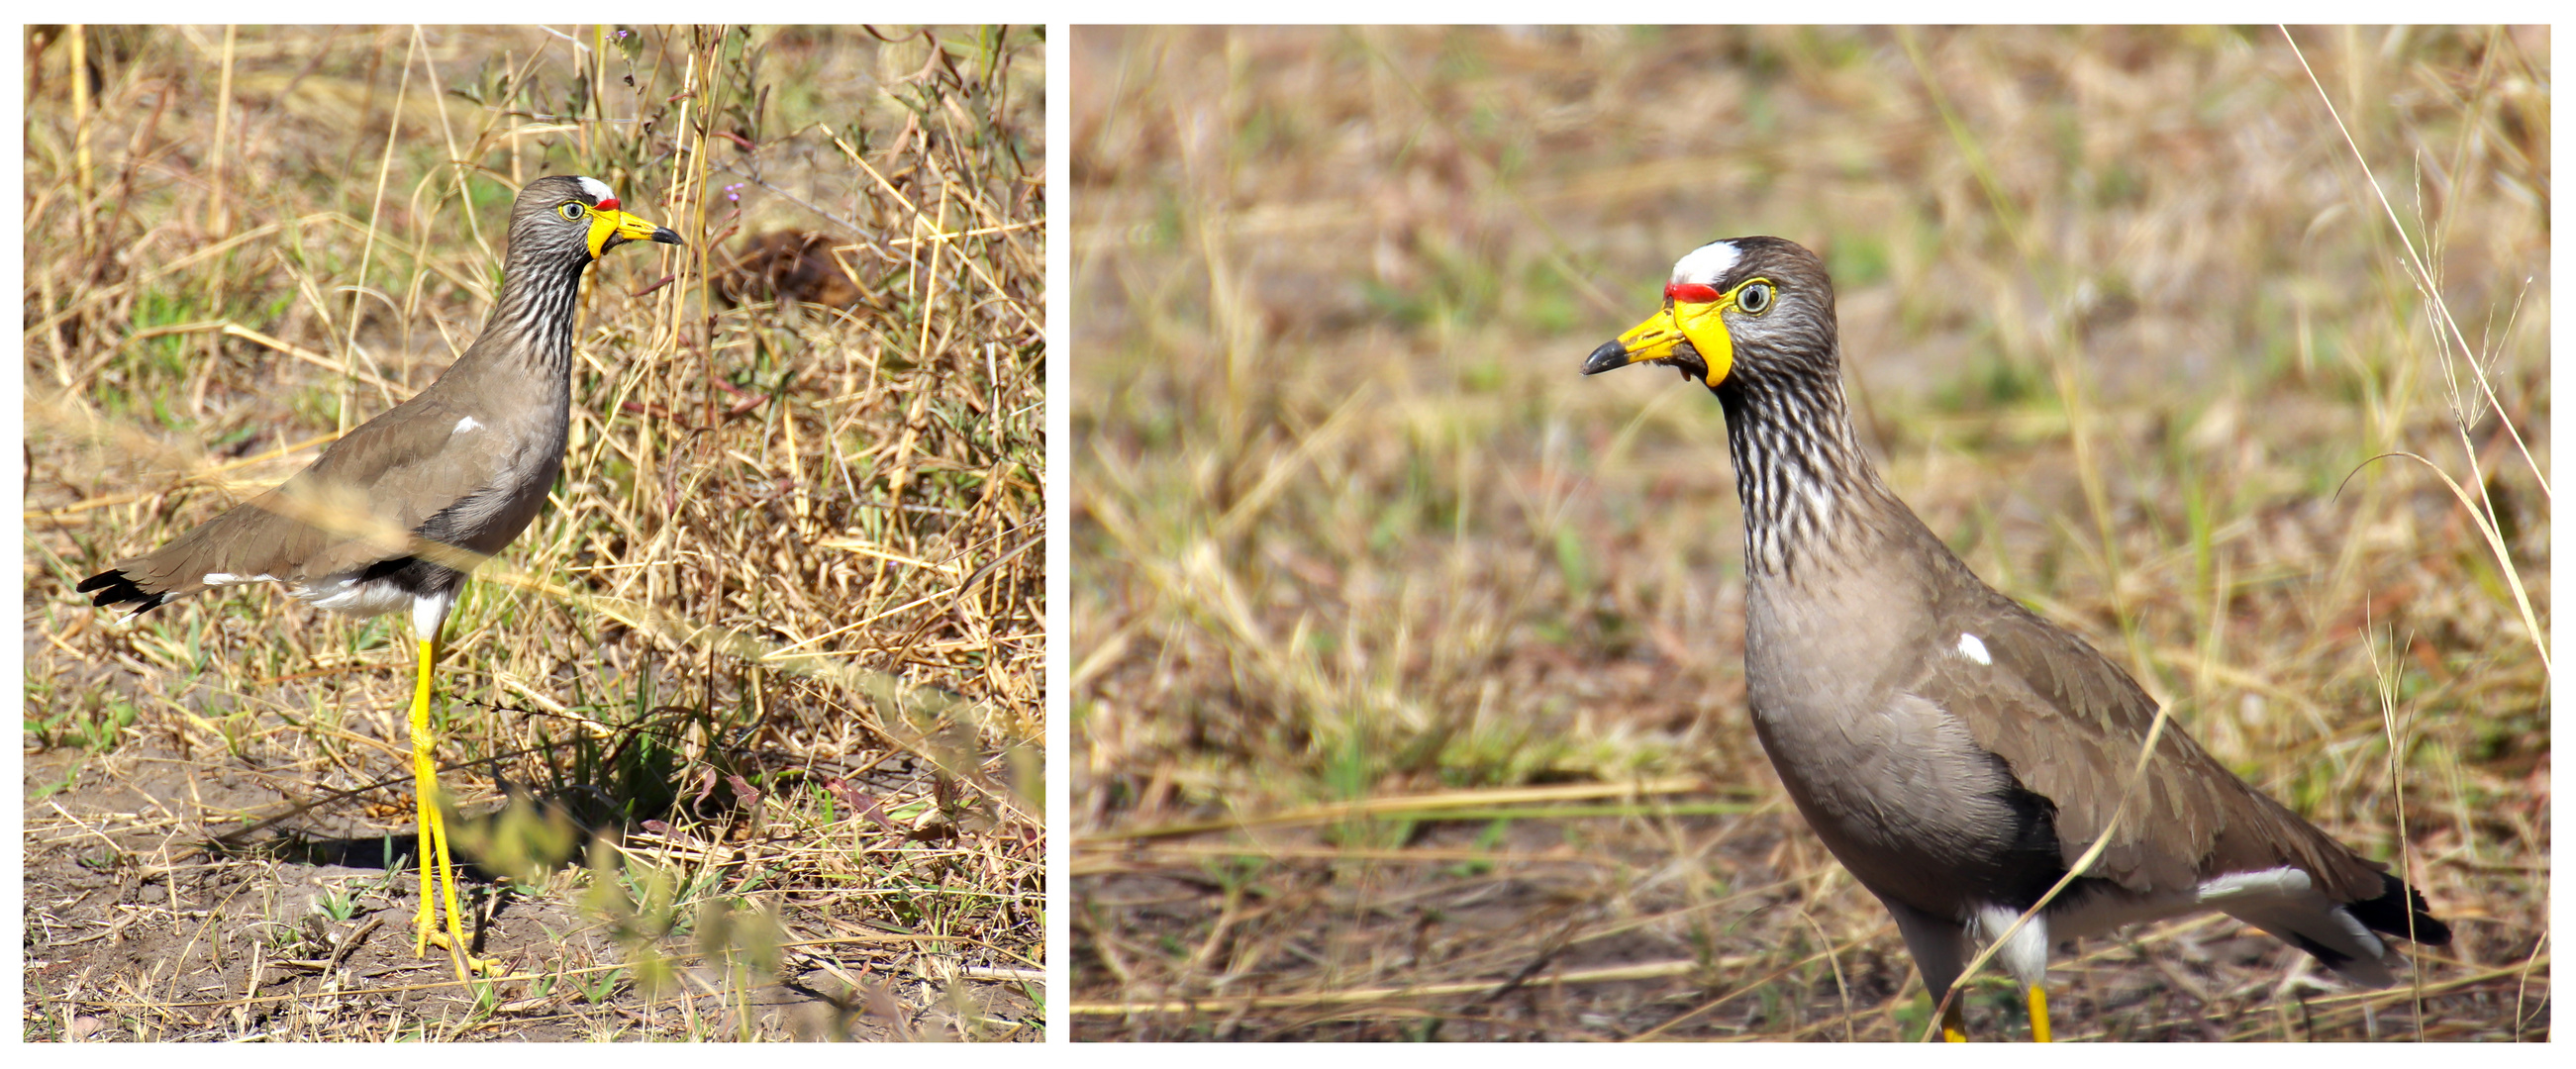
(398, 511)
(1954, 750)
(464, 464)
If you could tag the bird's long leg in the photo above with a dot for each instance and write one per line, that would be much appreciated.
(424, 782)
(2038, 1014)
(433, 828)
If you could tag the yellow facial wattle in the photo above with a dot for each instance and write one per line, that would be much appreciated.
(1705, 326)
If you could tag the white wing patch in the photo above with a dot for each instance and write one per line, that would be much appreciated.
(2281, 883)
(229, 579)
(466, 423)
(2284, 902)
(1974, 649)
(344, 594)
(597, 189)
(1707, 263)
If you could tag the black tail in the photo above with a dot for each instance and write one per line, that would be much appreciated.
(114, 587)
(2390, 912)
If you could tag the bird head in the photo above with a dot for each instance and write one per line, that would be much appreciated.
(1739, 307)
(570, 211)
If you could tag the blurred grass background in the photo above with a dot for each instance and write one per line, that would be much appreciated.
(1407, 690)
(775, 642)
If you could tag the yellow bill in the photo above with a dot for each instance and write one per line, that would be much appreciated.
(1688, 333)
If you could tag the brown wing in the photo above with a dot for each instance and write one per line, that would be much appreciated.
(388, 475)
(2070, 725)
(400, 468)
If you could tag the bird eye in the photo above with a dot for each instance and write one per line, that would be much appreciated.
(1754, 298)
(570, 210)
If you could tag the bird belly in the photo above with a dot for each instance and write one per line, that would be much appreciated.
(1905, 799)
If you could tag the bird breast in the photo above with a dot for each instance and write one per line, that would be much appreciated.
(1894, 784)
(523, 459)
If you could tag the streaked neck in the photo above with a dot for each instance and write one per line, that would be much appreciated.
(1808, 490)
(530, 332)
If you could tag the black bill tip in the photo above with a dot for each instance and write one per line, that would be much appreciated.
(1610, 355)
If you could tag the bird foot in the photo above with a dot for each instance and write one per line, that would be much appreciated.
(467, 965)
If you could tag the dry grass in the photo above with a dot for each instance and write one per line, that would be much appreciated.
(1408, 696)
(770, 660)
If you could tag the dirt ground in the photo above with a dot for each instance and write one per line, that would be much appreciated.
(158, 910)
(1593, 930)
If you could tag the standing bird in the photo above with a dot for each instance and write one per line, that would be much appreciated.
(1955, 751)
(398, 511)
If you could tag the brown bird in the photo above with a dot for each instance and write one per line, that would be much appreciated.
(397, 512)
(1955, 751)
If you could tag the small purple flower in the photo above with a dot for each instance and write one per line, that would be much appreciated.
(730, 193)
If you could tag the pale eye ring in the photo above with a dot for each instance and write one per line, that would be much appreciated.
(1754, 298)
(570, 210)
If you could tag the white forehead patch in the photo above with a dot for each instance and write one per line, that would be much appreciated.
(597, 189)
(1707, 263)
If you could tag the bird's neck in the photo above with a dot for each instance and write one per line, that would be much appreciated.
(1810, 494)
(530, 332)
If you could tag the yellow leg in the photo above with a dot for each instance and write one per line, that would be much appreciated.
(433, 832)
(2038, 1014)
(1953, 1028)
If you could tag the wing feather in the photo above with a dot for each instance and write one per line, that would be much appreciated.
(2070, 725)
